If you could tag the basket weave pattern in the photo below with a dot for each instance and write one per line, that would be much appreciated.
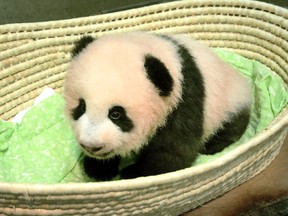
(36, 55)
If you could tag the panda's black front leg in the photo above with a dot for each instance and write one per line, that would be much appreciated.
(101, 170)
(155, 163)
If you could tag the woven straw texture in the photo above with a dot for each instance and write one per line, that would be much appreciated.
(37, 55)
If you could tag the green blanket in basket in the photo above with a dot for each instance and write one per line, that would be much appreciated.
(43, 149)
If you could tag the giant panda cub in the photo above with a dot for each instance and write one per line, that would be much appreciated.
(161, 98)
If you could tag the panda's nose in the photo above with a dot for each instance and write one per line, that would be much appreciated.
(92, 148)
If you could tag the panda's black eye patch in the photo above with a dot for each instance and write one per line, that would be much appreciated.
(79, 110)
(118, 116)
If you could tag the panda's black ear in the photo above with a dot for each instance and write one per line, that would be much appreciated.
(81, 44)
(159, 75)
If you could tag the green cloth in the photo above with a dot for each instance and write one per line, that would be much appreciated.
(43, 149)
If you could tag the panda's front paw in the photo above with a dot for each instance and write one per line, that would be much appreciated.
(101, 170)
(130, 172)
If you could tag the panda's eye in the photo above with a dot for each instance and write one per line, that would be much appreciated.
(115, 115)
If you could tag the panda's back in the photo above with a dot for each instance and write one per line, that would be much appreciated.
(226, 90)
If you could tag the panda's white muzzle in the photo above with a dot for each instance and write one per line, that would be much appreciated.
(96, 151)
(92, 149)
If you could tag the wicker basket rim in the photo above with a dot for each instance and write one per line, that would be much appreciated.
(274, 9)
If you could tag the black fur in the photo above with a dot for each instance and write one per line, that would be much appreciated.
(230, 133)
(158, 75)
(81, 44)
(120, 118)
(79, 110)
(176, 145)
(102, 170)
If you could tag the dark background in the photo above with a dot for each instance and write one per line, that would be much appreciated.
(19, 11)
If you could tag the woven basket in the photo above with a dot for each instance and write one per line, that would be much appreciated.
(36, 55)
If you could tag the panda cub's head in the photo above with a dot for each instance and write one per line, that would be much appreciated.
(119, 89)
